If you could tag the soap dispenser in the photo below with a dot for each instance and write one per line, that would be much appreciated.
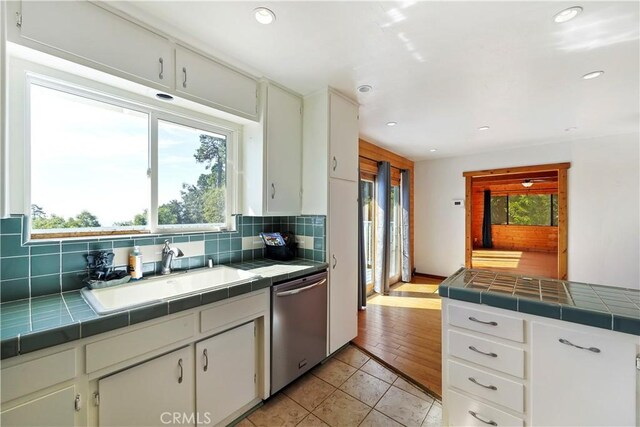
(135, 263)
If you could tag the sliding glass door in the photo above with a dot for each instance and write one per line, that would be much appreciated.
(368, 210)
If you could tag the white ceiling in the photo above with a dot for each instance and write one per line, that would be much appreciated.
(439, 69)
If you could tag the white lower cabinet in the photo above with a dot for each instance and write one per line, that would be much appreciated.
(226, 373)
(504, 368)
(343, 262)
(160, 391)
(582, 379)
(53, 410)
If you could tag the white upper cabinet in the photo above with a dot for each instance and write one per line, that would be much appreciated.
(272, 156)
(211, 83)
(283, 130)
(343, 138)
(89, 34)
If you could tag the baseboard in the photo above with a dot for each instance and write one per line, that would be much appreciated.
(430, 276)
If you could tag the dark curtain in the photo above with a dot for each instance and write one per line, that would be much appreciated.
(383, 224)
(487, 242)
(405, 185)
(362, 268)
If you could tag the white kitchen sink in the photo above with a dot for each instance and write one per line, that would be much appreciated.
(156, 289)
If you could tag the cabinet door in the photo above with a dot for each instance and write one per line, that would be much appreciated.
(150, 393)
(52, 410)
(226, 373)
(96, 35)
(283, 152)
(571, 386)
(343, 262)
(343, 138)
(214, 84)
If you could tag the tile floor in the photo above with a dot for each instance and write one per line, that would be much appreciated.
(350, 389)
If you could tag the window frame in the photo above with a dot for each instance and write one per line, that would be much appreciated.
(552, 196)
(25, 74)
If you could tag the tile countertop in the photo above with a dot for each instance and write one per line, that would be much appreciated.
(605, 307)
(35, 323)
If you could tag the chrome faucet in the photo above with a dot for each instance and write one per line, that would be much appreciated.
(168, 253)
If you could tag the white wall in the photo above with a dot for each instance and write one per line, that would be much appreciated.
(604, 207)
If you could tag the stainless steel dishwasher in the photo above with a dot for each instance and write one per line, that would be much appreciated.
(298, 328)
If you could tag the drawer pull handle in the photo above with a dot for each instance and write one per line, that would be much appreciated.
(181, 371)
(490, 387)
(490, 422)
(473, 319)
(567, 342)
(161, 75)
(206, 360)
(472, 348)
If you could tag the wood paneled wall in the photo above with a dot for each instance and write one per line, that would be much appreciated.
(513, 237)
(370, 154)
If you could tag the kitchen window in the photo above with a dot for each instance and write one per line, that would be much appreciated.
(99, 165)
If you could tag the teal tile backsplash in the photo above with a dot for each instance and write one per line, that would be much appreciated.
(45, 268)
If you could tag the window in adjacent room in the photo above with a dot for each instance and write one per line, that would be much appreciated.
(525, 209)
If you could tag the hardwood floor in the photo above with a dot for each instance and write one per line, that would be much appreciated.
(403, 329)
(519, 262)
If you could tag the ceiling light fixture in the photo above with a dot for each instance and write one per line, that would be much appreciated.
(567, 14)
(391, 123)
(264, 15)
(365, 89)
(592, 75)
(433, 150)
(569, 129)
(483, 128)
(527, 183)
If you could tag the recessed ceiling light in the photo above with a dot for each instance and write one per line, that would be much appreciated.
(164, 96)
(567, 14)
(365, 89)
(483, 128)
(264, 15)
(433, 150)
(572, 128)
(592, 75)
(391, 123)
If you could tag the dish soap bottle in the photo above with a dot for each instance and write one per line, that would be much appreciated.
(135, 263)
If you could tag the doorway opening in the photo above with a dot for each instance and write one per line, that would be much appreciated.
(516, 220)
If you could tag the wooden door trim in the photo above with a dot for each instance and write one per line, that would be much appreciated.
(563, 226)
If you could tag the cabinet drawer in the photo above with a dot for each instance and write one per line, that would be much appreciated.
(488, 386)
(222, 315)
(466, 412)
(491, 354)
(41, 373)
(507, 327)
(117, 349)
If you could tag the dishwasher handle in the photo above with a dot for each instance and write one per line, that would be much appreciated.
(297, 291)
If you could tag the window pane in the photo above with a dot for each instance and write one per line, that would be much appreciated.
(498, 210)
(192, 175)
(367, 218)
(88, 162)
(534, 209)
(394, 264)
(554, 207)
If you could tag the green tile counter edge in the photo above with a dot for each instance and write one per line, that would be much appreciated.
(604, 307)
(65, 317)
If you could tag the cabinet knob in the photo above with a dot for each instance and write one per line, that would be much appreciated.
(181, 376)
(161, 75)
